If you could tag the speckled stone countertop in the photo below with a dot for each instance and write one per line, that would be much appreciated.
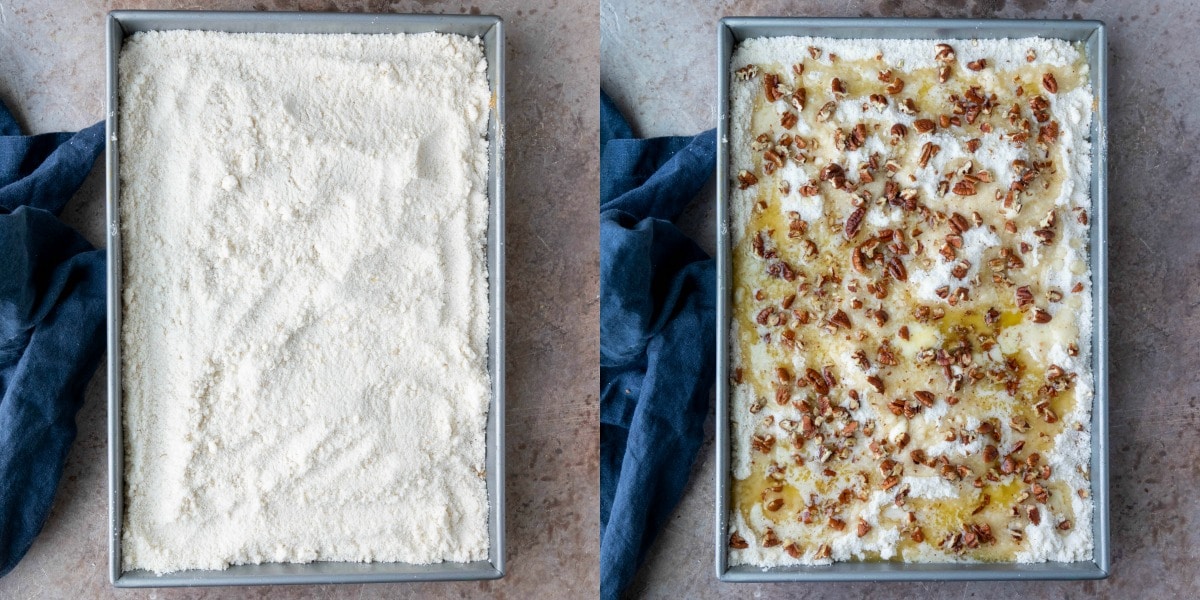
(659, 64)
(52, 77)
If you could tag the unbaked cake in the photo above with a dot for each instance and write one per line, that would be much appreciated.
(911, 334)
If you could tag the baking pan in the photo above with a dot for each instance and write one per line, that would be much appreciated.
(732, 30)
(491, 30)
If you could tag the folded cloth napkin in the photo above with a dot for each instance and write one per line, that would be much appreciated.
(657, 336)
(51, 321)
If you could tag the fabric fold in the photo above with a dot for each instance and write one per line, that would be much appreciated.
(52, 306)
(657, 336)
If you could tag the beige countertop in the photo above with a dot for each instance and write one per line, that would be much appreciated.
(659, 64)
(52, 77)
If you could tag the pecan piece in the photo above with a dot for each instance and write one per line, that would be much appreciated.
(854, 222)
(924, 397)
(799, 99)
(737, 542)
(1050, 83)
(771, 87)
(927, 152)
(840, 319)
(875, 382)
(770, 539)
(863, 528)
(747, 73)
(1024, 296)
(924, 125)
(945, 53)
(965, 187)
(826, 111)
(896, 269)
(817, 380)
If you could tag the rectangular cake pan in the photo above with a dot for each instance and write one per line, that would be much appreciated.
(490, 30)
(1092, 33)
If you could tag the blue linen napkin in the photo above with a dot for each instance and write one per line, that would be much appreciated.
(51, 321)
(657, 336)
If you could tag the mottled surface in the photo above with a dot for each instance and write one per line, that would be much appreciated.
(659, 63)
(52, 76)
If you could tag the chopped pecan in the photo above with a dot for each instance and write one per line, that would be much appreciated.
(1050, 83)
(875, 382)
(854, 222)
(826, 111)
(965, 187)
(771, 87)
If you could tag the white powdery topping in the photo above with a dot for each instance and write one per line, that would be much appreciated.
(882, 540)
(935, 413)
(931, 488)
(854, 110)
(1002, 54)
(740, 418)
(996, 156)
(856, 378)
(1073, 111)
(305, 298)
(926, 282)
(952, 150)
(883, 215)
(943, 447)
(795, 176)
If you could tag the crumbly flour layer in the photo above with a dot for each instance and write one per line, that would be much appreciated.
(305, 312)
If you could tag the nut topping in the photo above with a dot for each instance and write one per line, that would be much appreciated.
(826, 111)
(945, 53)
(1050, 83)
(746, 73)
(863, 528)
(827, 288)
(854, 222)
(875, 382)
(965, 187)
(771, 87)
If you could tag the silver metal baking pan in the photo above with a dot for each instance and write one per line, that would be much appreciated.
(490, 29)
(735, 29)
